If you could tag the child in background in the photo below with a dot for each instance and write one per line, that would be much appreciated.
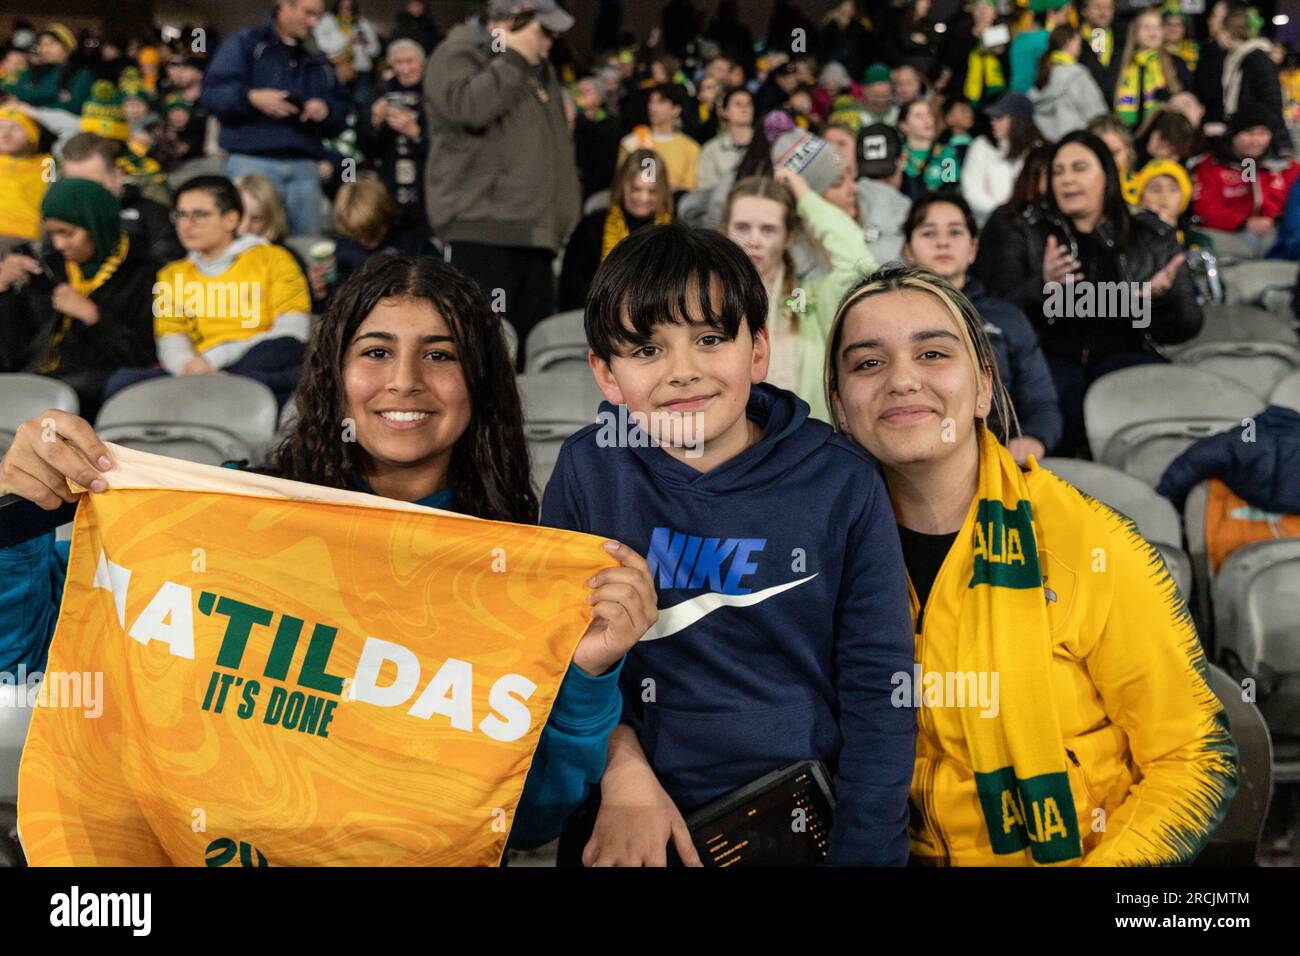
(23, 176)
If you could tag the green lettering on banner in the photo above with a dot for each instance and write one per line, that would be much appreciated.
(313, 673)
(242, 617)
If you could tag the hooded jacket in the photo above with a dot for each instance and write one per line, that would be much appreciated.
(500, 168)
(1146, 741)
(1021, 364)
(256, 58)
(782, 614)
(1068, 102)
(1014, 271)
(1224, 195)
(1251, 76)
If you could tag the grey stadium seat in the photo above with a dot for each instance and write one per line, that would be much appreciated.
(1139, 419)
(1257, 350)
(558, 340)
(23, 397)
(203, 418)
(1287, 392)
(1251, 281)
(1194, 528)
(556, 404)
(15, 715)
(1155, 517)
(1256, 597)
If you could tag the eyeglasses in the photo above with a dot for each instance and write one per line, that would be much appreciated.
(196, 215)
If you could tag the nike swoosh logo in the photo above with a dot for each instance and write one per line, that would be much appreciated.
(681, 616)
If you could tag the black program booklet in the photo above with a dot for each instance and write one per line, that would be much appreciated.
(781, 819)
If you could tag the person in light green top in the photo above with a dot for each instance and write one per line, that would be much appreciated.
(931, 164)
(764, 217)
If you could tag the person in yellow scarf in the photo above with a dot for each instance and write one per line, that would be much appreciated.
(25, 174)
(641, 195)
(1064, 716)
(1149, 75)
(87, 314)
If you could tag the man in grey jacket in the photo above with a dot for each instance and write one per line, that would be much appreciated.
(501, 182)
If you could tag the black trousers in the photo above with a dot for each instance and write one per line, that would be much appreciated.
(518, 281)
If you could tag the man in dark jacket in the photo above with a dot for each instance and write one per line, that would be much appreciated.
(941, 236)
(277, 101)
(1103, 48)
(415, 22)
(147, 223)
(500, 185)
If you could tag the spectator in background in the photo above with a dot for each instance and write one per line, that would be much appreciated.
(145, 220)
(501, 185)
(53, 80)
(1250, 77)
(1166, 135)
(1241, 188)
(277, 102)
(942, 237)
(1084, 229)
(257, 326)
(1099, 55)
(264, 216)
(87, 309)
(1119, 141)
(350, 42)
(979, 72)
(642, 195)
(878, 104)
(700, 120)
(1178, 40)
(1064, 94)
(25, 174)
(1164, 188)
(680, 153)
(882, 204)
(849, 37)
(722, 154)
(595, 137)
(1028, 46)
(368, 223)
(931, 165)
(188, 120)
(395, 136)
(993, 162)
(415, 22)
(1149, 74)
(958, 121)
(907, 84)
(734, 39)
(1208, 81)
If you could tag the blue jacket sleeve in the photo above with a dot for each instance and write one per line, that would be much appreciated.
(873, 642)
(225, 85)
(570, 756)
(1032, 390)
(31, 589)
(1208, 458)
(1287, 245)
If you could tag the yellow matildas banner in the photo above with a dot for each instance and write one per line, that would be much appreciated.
(294, 675)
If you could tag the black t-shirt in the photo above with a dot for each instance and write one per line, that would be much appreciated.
(923, 555)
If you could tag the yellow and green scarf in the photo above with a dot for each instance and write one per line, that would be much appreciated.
(984, 76)
(1019, 756)
(1102, 42)
(1061, 58)
(616, 228)
(1139, 86)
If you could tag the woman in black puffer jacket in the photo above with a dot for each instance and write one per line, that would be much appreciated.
(1105, 287)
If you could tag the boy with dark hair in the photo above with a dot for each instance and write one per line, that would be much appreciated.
(681, 154)
(784, 617)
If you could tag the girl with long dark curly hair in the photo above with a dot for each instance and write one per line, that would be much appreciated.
(407, 391)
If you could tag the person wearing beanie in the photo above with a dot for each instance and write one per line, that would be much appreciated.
(680, 153)
(988, 174)
(1028, 46)
(53, 80)
(24, 175)
(799, 151)
(1241, 189)
(86, 311)
(878, 104)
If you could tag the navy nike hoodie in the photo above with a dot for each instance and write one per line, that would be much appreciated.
(783, 614)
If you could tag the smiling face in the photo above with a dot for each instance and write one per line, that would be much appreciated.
(691, 382)
(907, 386)
(1078, 181)
(942, 243)
(405, 388)
(1150, 32)
(758, 226)
(640, 197)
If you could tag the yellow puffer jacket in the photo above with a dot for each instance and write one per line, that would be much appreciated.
(1151, 764)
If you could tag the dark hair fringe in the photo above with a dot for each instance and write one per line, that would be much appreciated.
(221, 189)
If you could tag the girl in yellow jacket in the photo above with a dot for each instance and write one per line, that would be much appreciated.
(1063, 711)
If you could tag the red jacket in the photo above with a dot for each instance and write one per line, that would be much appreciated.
(1223, 197)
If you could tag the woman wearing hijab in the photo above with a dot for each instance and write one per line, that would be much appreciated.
(88, 313)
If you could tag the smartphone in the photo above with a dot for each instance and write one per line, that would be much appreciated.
(997, 35)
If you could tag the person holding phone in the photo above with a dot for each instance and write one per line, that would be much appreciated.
(501, 183)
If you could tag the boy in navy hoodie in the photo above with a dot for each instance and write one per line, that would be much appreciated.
(783, 600)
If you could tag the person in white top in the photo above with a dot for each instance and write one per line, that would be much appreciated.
(352, 45)
(992, 164)
(722, 154)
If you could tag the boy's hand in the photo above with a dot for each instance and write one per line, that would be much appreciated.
(625, 606)
(637, 818)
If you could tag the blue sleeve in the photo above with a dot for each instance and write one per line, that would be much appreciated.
(327, 88)
(873, 642)
(1032, 390)
(1287, 245)
(570, 756)
(225, 85)
(1210, 457)
(31, 589)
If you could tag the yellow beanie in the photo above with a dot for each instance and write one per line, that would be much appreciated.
(1165, 167)
(26, 122)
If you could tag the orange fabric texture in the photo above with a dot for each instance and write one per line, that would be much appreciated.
(1230, 523)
